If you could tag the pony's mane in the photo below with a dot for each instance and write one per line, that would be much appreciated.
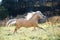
(29, 15)
(39, 12)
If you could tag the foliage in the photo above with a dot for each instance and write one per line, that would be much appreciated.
(3, 12)
(11, 5)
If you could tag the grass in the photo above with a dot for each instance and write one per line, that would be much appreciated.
(53, 33)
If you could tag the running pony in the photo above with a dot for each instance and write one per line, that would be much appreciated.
(32, 22)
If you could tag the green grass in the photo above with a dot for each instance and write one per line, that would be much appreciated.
(53, 33)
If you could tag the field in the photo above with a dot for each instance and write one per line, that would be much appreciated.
(52, 33)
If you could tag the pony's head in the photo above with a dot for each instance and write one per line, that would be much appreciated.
(40, 15)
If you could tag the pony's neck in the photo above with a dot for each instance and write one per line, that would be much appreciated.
(29, 15)
(34, 18)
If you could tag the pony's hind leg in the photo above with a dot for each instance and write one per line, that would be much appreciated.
(15, 31)
(41, 28)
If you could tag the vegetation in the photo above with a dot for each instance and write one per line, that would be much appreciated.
(16, 7)
(3, 12)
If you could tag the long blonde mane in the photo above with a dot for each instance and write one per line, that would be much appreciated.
(29, 15)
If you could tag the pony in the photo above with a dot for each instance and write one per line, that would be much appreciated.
(32, 22)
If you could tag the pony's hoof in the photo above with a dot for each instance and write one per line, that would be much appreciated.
(34, 30)
(9, 34)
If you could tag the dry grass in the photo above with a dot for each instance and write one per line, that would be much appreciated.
(53, 33)
(53, 20)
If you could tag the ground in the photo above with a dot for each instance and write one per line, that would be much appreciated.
(52, 33)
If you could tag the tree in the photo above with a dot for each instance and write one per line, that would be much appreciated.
(3, 13)
(11, 6)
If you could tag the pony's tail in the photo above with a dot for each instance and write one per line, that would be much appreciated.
(11, 21)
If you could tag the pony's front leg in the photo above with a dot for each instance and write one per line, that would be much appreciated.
(15, 31)
(34, 29)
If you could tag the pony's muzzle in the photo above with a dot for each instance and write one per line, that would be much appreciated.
(44, 17)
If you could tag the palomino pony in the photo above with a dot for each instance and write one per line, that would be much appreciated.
(32, 22)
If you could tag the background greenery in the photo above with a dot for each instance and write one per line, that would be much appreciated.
(13, 8)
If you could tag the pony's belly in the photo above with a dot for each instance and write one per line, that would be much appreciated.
(27, 25)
